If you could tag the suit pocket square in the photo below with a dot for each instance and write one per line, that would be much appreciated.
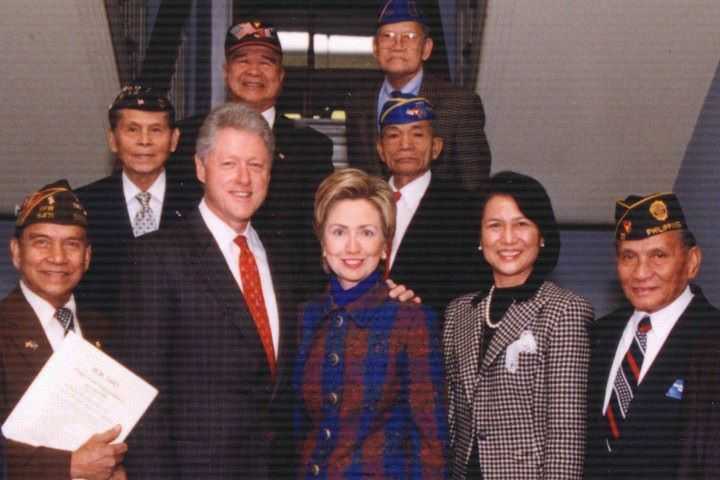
(525, 344)
(676, 390)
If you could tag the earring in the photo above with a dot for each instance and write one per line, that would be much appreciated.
(479, 248)
(542, 243)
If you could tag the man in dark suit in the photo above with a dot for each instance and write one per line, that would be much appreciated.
(642, 354)
(437, 226)
(51, 252)
(139, 197)
(303, 156)
(401, 45)
(209, 319)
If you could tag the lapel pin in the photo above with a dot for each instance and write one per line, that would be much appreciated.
(31, 345)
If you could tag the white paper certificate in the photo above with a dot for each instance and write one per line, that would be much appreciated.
(79, 392)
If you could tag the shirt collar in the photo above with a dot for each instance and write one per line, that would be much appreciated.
(413, 192)
(223, 233)
(413, 86)
(664, 319)
(156, 190)
(42, 308)
(269, 116)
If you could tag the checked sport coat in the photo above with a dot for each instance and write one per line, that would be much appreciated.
(529, 424)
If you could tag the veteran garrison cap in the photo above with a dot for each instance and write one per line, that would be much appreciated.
(251, 32)
(639, 217)
(394, 11)
(405, 108)
(54, 203)
(136, 96)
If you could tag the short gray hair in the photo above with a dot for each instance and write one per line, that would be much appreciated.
(237, 116)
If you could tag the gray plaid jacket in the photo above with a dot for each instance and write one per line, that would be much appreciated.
(529, 421)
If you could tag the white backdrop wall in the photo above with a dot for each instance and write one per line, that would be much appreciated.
(597, 99)
(58, 77)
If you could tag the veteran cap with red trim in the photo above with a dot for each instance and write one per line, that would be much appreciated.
(639, 217)
(53, 203)
(251, 32)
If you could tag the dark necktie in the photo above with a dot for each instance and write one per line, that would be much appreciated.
(627, 379)
(388, 248)
(65, 317)
(252, 291)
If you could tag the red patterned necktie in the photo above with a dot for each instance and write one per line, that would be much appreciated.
(252, 291)
(627, 379)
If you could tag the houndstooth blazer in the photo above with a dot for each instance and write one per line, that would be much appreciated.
(530, 424)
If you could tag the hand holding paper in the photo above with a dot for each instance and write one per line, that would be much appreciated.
(79, 392)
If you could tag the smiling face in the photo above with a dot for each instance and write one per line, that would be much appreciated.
(654, 271)
(408, 149)
(51, 259)
(143, 141)
(400, 49)
(236, 174)
(510, 241)
(352, 241)
(254, 75)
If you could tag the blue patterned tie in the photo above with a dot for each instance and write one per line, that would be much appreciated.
(65, 317)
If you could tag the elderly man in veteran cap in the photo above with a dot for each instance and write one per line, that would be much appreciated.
(139, 197)
(434, 248)
(51, 252)
(254, 75)
(642, 356)
(401, 46)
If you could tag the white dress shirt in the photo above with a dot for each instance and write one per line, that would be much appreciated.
(412, 87)
(225, 238)
(662, 323)
(410, 197)
(157, 195)
(46, 315)
(269, 116)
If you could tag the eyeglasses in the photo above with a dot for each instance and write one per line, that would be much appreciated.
(389, 37)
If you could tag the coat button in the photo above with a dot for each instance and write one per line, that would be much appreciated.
(333, 398)
(334, 359)
(327, 434)
(315, 469)
(339, 321)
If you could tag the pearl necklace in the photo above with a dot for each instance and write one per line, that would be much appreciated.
(489, 322)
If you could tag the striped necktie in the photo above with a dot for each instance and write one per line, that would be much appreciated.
(627, 379)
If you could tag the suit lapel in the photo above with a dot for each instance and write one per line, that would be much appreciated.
(370, 115)
(413, 245)
(467, 338)
(25, 332)
(118, 206)
(672, 360)
(209, 265)
(172, 202)
(517, 318)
